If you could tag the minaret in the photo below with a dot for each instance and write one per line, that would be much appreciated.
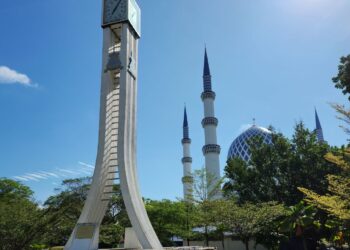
(187, 179)
(211, 149)
(318, 130)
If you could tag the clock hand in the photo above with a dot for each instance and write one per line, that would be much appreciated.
(116, 7)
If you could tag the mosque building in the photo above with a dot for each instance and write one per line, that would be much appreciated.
(240, 147)
(211, 150)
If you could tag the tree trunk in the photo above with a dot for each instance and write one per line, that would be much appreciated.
(246, 242)
(223, 240)
(206, 237)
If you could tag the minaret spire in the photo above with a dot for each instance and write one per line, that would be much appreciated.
(211, 150)
(206, 69)
(187, 179)
(319, 131)
(206, 73)
(185, 125)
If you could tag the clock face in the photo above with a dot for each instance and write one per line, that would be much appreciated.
(114, 11)
(134, 16)
(120, 11)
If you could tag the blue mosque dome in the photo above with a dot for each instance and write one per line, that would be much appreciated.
(240, 147)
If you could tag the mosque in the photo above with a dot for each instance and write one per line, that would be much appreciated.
(211, 150)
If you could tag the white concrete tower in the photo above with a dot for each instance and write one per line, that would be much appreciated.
(187, 179)
(211, 149)
(116, 152)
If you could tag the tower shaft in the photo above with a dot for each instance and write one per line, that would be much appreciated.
(116, 154)
(187, 179)
(211, 149)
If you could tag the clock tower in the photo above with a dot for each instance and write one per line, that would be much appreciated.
(116, 152)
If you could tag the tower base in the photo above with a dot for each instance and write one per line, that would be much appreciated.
(131, 241)
(86, 236)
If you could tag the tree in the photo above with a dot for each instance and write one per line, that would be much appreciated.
(21, 219)
(169, 219)
(217, 217)
(277, 170)
(67, 205)
(342, 80)
(300, 227)
(250, 221)
(337, 200)
(344, 116)
(206, 188)
(10, 189)
(298, 216)
(115, 221)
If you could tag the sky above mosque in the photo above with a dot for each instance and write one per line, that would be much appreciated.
(270, 60)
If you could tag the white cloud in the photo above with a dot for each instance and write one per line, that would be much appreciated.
(37, 176)
(10, 76)
(67, 171)
(59, 173)
(29, 177)
(50, 174)
(86, 165)
(20, 178)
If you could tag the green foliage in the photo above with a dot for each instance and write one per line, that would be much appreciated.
(111, 234)
(170, 218)
(248, 221)
(215, 217)
(115, 221)
(298, 215)
(66, 206)
(10, 189)
(205, 186)
(343, 115)
(276, 171)
(336, 202)
(342, 80)
(21, 220)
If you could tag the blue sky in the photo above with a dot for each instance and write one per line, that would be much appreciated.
(271, 60)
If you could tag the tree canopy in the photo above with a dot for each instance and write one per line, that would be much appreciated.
(275, 171)
(342, 80)
(20, 217)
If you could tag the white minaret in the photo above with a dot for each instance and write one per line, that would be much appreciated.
(211, 149)
(187, 179)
